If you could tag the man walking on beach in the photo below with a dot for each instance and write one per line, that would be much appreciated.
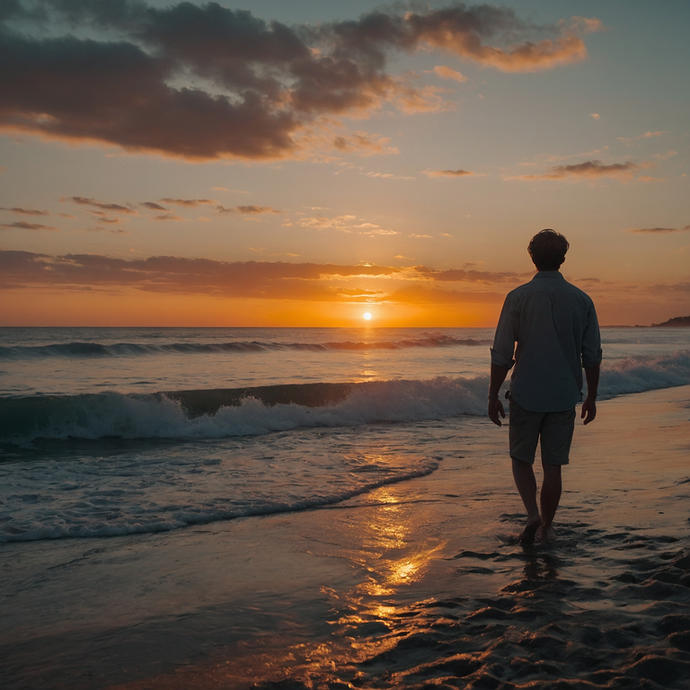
(555, 327)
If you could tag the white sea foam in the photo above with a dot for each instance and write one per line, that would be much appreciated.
(645, 373)
(167, 489)
(114, 414)
(148, 416)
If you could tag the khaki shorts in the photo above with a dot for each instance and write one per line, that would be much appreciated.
(554, 429)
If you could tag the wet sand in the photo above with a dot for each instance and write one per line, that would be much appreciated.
(417, 584)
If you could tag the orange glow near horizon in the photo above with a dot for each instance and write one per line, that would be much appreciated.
(130, 307)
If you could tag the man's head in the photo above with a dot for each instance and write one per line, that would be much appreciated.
(548, 249)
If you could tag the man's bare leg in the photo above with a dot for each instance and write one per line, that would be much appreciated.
(526, 484)
(550, 498)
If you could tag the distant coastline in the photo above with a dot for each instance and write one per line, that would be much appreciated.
(675, 322)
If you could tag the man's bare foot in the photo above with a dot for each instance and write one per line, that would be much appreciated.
(546, 534)
(531, 526)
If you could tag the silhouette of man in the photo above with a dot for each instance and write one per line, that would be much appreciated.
(555, 327)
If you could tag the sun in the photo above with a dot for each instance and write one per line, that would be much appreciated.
(366, 316)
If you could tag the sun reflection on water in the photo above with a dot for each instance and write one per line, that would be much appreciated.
(373, 615)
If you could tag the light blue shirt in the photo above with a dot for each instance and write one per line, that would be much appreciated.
(557, 333)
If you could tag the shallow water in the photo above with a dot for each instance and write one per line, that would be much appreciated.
(356, 541)
(91, 444)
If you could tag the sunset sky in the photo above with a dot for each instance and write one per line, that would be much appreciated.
(301, 162)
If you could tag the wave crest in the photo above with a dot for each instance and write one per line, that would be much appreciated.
(254, 411)
(111, 414)
(94, 350)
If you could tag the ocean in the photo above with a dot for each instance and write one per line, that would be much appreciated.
(114, 431)
(329, 508)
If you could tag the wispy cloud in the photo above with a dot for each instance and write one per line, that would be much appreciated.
(658, 231)
(588, 170)
(345, 223)
(364, 144)
(388, 176)
(84, 201)
(462, 275)
(162, 217)
(631, 141)
(448, 73)
(426, 99)
(112, 231)
(102, 218)
(23, 225)
(251, 89)
(25, 211)
(248, 210)
(448, 173)
(190, 203)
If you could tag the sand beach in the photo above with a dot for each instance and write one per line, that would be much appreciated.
(414, 584)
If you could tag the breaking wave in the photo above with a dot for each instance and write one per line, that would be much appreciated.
(93, 350)
(220, 413)
(237, 412)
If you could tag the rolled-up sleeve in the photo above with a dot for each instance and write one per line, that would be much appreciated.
(591, 341)
(505, 337)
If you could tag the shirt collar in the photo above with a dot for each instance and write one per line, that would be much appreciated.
(545, 275)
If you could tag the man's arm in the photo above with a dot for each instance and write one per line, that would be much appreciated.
(502, 355)
(589, 406)
(498, 376)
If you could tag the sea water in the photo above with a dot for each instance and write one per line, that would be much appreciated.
(115, 431)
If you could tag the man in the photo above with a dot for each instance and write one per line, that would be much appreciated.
(555, 327)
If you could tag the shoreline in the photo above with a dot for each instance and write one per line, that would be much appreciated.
(255, 599)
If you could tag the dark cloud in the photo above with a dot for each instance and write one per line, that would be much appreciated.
(204, 82)
(248, 210)
(168, 216)
(190, 203)
(102, 218)
(673, 287)
(152, 206)
(26, 211)
(84, 201)
(589, 169)
(23, 225)
(275, 280)
(112, 231)
(255, 279)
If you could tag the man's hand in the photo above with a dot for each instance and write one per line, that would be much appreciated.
(498, 376)
(495, 409)
(589, 406)
(589, 410)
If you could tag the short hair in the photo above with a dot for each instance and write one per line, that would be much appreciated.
(547, 249)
